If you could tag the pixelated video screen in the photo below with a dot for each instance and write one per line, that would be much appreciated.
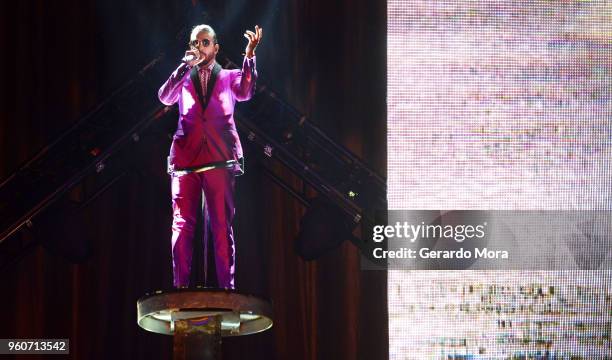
(499, 105)
(499, 315)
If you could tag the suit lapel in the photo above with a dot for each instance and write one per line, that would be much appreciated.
(195, 79)
(211, 82)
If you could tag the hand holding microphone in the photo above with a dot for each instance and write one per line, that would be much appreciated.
(193, 57)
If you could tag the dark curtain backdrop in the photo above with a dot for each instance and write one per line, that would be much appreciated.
(61, 58)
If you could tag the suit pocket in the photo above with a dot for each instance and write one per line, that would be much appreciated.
(179, 143)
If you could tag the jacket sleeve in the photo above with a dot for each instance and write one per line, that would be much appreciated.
(169, 92)
(243, 85)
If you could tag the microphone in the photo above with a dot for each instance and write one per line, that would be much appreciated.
(188, 58)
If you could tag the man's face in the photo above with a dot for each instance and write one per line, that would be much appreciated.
(205, 44)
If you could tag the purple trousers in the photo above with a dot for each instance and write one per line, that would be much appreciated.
(209, 194)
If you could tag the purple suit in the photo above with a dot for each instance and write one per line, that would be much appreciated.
(205, 136)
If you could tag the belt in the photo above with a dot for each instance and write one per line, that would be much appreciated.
(228, 164)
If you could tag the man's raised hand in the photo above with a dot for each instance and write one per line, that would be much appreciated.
(254, 39)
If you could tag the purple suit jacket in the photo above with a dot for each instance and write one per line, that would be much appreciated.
(207, 136)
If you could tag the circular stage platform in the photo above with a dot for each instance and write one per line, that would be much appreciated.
(238, 314)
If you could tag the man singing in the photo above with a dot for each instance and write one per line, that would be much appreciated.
(206, 154)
